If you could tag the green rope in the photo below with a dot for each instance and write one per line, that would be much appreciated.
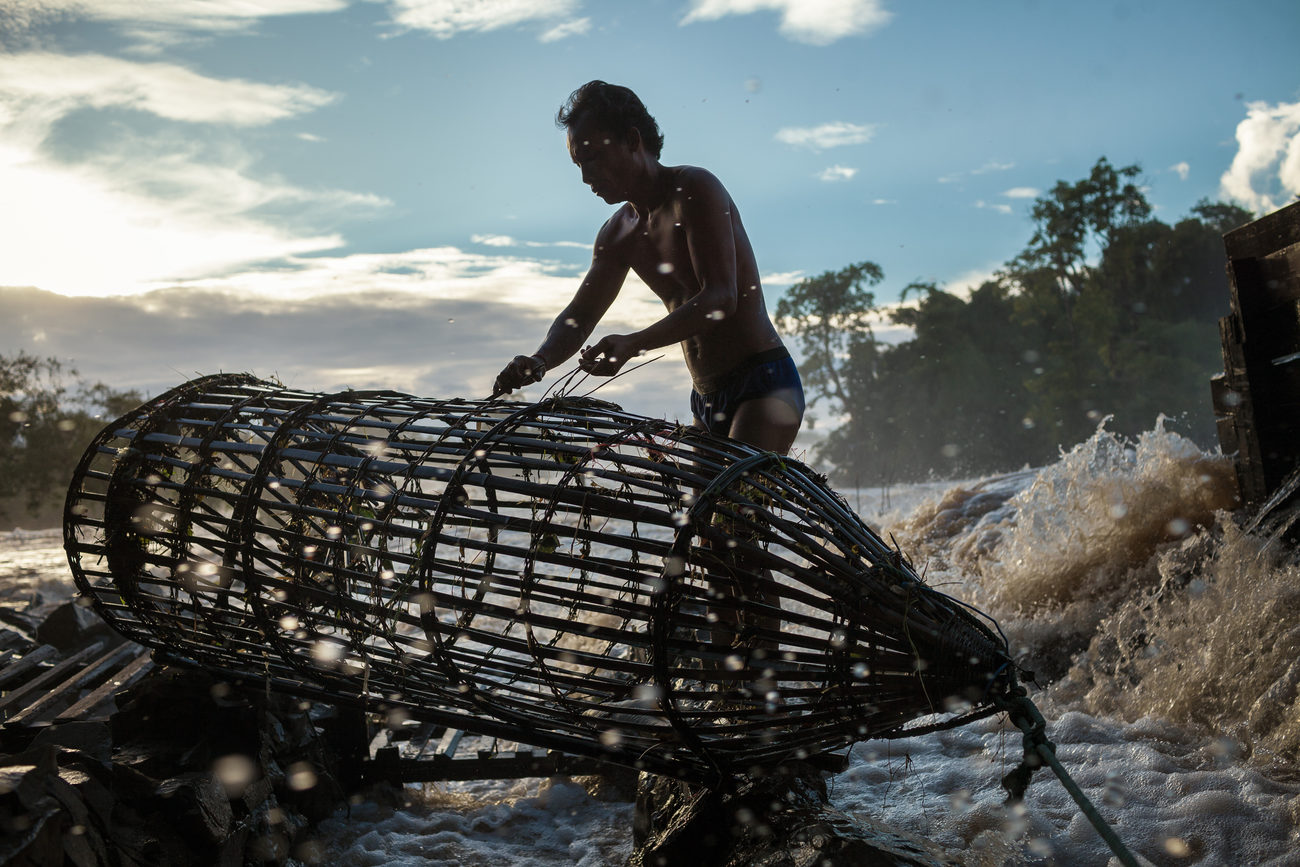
(1039, 751)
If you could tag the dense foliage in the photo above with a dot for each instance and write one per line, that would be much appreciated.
(47, 417)
(1107, 312)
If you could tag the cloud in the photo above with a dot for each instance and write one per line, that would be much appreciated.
(421, 341)
(884, 201)
(837, 173)
(992, 166)
(448, 18)
(38, 88)
(815, 22)
(565, 29)
(140, 208)
(1181, 169)
(827, 135)
(1022, 193)
(1265, 173)
(508, 241)
(993, 206)
(158, 22)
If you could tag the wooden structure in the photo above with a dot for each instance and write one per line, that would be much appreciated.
(1257, 397)
(42, 686)
(562, 574)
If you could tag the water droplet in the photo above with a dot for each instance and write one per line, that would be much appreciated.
(234, 772)
(735, 662)
(302, 776)
(1177, 847)
(611, 737)
(665, 267)
(715, 315)
(288, 623)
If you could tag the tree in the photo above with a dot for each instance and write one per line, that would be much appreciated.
(830, 315)
(45, 425)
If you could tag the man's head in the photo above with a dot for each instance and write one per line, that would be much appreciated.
(614, 109)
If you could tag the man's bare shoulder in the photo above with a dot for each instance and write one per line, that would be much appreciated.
(615, 231)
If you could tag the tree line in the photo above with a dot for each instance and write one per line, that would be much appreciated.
(1107, 313)
(48, 415)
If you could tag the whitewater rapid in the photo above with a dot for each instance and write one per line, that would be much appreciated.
(1164, 639)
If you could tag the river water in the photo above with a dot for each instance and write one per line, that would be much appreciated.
(1164, 636)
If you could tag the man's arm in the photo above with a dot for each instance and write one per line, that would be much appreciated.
(579, 318)
(711, 244)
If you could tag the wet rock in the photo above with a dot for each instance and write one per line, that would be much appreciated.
(149, 787)
(777, 820)
(71, 625)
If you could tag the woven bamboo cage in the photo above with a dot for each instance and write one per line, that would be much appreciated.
(561, 573)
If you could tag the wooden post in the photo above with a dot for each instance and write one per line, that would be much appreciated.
(1257, 397)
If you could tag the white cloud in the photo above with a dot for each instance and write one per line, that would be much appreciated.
(992, 166)
(1181, 169)
(565, 29)
(993, 206)
(38, 88)
(158, 22)
(508, 241)
(884, 201)
(782, 278)
(837, 173)
(1021, 193)
(1265, 173)
(446, 18)
(827, 135)
(816, 22)
(139, 209)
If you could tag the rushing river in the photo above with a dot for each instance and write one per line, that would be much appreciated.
(1163, 635)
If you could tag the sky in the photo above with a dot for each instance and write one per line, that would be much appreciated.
(373, 193)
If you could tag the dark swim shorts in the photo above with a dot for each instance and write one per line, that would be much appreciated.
(769, 373)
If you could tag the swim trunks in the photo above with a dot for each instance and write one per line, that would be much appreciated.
(771, 373)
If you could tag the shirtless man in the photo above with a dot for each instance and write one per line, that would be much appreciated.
(679, 230)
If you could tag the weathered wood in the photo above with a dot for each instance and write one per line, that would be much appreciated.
(1257, 397)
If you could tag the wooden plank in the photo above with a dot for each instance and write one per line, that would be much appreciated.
(51, 675)
(136, 669)
(90, 674)
(450, 741)
(1265, 235)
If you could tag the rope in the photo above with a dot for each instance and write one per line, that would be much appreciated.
(1039, 751)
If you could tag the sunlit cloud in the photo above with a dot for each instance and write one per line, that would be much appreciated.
(38, 88)
(815, 22)
(1181, 169)
(827, 135)
(1021, 193)
(884, 201)
(835, 173)
(447, 18)
(1265, 173)
(139, 209)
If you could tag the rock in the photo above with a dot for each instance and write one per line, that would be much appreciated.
(71, 625)
(778, 820)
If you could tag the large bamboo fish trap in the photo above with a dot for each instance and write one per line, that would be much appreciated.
(562, 573)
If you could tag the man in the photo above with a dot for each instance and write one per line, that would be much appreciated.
(678, 229)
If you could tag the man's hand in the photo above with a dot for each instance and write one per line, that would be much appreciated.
(523, 370)
(608, 355)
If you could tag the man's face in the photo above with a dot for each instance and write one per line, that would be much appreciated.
(607, 160)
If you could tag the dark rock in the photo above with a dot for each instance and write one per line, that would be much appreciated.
(777, 820)
(71, 625)
(200, 810)
(92, 739)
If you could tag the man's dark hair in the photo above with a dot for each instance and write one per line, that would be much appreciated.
(615, 109)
